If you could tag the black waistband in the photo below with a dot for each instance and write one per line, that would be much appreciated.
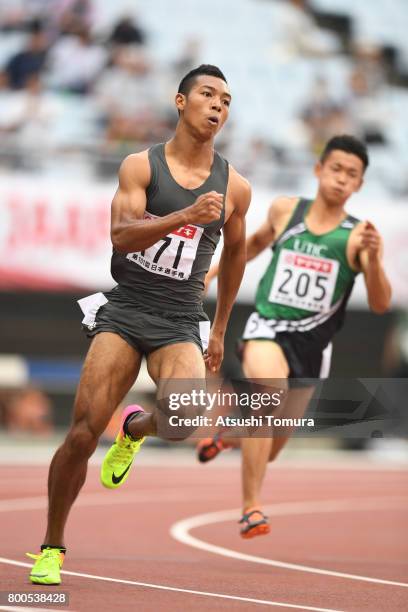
(144, 301)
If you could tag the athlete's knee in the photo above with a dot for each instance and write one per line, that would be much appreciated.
(175, 428)
(82, 439)
(179, 412)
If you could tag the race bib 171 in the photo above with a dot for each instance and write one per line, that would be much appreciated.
(304, 281)
(172, 256)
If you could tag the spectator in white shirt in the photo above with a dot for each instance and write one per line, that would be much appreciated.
(75, 62)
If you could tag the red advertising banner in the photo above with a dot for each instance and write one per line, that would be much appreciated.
(55, 236)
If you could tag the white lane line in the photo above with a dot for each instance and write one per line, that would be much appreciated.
(180, 530)
(162, 587)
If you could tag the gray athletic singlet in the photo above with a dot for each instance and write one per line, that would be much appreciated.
(170, 273)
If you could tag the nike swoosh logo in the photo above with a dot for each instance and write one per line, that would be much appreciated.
(117, 479)
(39, 575)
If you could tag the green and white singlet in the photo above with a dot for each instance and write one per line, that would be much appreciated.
(301, 298)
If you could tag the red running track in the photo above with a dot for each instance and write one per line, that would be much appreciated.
(346, 521)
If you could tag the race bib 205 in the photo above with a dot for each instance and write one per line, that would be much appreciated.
(304, 281)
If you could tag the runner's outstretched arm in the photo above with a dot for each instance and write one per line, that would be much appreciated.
(231, 268)
(376, 281)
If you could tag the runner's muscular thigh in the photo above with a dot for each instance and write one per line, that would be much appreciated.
(110, 369)
(264, 359)
(265, 362)
(177, 368)
(182, 360)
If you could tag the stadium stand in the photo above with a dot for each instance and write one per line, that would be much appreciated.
(273, 51)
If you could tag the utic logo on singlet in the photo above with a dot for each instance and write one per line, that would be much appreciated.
(172, 256)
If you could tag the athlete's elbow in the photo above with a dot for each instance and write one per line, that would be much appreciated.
(120, 242)
(253, 250)
(380, 307)
(236, 250)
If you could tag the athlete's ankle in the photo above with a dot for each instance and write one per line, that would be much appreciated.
(60, 548)
(131, 427)
(250, 507)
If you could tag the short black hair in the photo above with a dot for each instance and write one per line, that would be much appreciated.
(188, 81)
(348, 144)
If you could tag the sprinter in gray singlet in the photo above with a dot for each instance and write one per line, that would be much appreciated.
(167, 214)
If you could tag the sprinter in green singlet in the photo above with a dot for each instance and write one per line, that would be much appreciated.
(318, 250)
(171, 205)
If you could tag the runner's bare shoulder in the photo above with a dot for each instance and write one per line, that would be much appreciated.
(238, 186)
(280, 211)
(135, 170)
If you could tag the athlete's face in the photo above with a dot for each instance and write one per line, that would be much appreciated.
(340, 175)
(206, 106)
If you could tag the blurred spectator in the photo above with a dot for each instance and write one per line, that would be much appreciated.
(29, 411)
(30, 60)
(189, 57)
(12, 15)
(28, 114)
(75, 62)
(127, 94)
(323, 116)
(17, 14)
(70, 15)
(366, 109)
(297, 33)
(369, 60)
(254, 157)
(58, 16)
(127, 32)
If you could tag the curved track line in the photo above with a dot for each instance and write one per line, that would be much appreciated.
(180, 531)
(161, 587)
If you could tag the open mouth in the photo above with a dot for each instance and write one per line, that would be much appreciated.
(213, 120)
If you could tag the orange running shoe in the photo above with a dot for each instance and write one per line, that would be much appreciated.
(255, 523)
(209, 448)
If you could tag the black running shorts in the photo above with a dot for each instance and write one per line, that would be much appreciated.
(144, 327)
(305, 359)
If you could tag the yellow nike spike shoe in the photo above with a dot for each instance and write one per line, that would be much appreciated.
(47, 566)
(119, 458)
